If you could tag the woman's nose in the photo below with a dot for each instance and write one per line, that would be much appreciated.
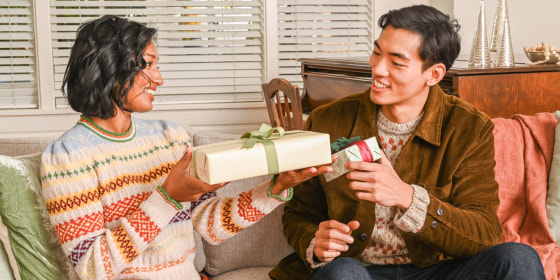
(156, 77)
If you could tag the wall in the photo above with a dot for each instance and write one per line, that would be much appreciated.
(531, 22)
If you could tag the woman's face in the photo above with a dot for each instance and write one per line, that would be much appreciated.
(141, 95)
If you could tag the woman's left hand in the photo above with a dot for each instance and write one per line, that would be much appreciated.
(289, 179)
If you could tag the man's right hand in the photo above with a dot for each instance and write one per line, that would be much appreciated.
(332, 238)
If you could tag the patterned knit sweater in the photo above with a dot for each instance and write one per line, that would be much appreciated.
(387, 245)
(110, 214)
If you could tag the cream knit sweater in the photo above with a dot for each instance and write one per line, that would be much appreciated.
(112, 218)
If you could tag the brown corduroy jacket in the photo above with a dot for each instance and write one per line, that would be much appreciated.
(451, 154)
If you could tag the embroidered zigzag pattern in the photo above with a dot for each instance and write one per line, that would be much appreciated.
(78, 227)
(125, 245)
(63, 204)
(144, 226)
(203, 198)
(246, 209)
(55, 174)
(125, 180)
(227, 221)
(80, 250)
(181, 216)
(132, 270)
(123, 207)
(106, 259)
(211, 233)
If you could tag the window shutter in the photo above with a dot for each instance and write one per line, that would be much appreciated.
(18, 86)
(322, 29)
(210, 51)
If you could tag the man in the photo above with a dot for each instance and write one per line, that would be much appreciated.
(427, 209)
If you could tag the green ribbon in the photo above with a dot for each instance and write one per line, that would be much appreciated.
(342, 142)
(264, 135)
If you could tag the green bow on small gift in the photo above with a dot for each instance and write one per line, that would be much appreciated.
(342, 142)
(262, 135)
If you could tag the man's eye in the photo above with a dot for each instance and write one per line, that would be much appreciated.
(397, 64)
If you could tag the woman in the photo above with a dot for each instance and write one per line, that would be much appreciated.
(116, 187)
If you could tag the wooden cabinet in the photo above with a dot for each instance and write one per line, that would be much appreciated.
(499, 92)
(502, 92)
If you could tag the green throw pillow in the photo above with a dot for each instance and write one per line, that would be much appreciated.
(34, 244)
(553, 194)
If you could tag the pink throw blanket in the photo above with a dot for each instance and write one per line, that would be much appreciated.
(524, 148)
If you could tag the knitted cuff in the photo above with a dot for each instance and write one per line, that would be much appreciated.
(169, 199)
(413, 219)
(284, 196)
(309, 255)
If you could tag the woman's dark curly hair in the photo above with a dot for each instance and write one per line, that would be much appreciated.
(104, 59)
(440, 39)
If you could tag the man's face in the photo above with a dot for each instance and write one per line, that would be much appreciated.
(397, 77)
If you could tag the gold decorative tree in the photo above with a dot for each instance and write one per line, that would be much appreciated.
(480, 56)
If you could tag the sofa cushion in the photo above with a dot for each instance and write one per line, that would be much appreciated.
(262, 244)
(25, 145)
(253, 273)
(31, 237)
(553, 195)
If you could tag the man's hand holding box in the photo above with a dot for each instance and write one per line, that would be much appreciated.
(356, 150)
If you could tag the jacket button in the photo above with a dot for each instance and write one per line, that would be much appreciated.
(363, 237)
(439, 212)
(433, 224)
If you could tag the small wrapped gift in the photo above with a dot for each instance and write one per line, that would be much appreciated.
(352, 149)
(260, 152)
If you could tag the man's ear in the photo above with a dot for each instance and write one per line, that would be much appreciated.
(435, 73)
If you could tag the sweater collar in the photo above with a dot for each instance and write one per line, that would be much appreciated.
(429, 128)
(106, 134)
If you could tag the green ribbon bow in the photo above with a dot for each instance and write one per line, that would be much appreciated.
(264, 136)
(342, 142)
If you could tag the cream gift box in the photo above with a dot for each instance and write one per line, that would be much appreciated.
(354, 152)
(227, 161)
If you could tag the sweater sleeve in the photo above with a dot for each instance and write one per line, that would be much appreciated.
(217, 219)
(100, 240)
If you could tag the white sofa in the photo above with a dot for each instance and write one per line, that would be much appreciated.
(29, 249)
(527, 152)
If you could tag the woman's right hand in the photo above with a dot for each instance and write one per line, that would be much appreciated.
(182, 186)
(332, 238)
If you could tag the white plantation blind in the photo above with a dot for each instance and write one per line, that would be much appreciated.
(210, 50)
(322, 29)
(18, 86)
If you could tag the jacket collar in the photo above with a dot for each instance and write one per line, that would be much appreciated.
(429, 128)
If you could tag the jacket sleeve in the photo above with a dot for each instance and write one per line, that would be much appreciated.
(462, 216)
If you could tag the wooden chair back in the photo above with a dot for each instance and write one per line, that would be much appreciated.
(284, 104)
